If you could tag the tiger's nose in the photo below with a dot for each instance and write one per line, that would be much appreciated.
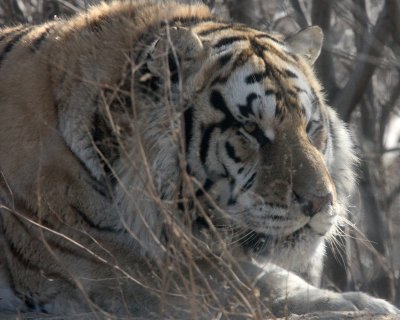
(312, 204)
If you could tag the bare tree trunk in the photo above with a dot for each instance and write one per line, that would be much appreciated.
(366, 62)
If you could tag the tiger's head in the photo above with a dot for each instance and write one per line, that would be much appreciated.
(270, 160)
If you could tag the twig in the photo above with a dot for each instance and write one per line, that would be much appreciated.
(300, 16)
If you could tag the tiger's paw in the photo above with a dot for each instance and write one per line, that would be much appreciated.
(363, 301)
(316, 300)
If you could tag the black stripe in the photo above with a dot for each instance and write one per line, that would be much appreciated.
(247, 109)
(228, 40)
(290, 74)
(210, 31)
(206, 186)
(92, 181)
(181, 202)
(260, 36)
(173, 65)
(205, 142)
(231, 152)
(104, 136)
(105, 139)
(249, 183)
(219, 79)
(223, 60)
(276, 217)
(240, 60)
(299, 89)
(218, 102)
(188, 118)
(279, 107)
(258, 48)
(279, 112)
(260, 137)
(151, 86)
(258, 76)
(232, 201)
(10, 44)
(91, 223)
(255, 77)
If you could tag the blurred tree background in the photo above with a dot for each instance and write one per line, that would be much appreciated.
(359, 67)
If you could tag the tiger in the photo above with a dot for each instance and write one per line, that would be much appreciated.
(160, 162)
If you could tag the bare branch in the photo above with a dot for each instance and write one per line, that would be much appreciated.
(360, 28)
(321, 15)
(352, 93)
(300, 16)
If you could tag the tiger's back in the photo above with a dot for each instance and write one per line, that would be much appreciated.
(141, 135)
(43, 70)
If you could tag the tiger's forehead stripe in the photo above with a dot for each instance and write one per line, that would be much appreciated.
(236, 43)
(235, 46)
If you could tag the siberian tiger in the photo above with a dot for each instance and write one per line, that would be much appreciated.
(159, 162)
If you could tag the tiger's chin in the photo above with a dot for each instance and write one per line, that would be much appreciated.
(302, 235)
(264, 244)
(300, 252)
(287, 238)
(261, 229)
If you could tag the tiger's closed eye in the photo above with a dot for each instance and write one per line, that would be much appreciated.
(250, 127)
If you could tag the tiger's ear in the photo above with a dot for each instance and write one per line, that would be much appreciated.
(307, 43)
(178, 50)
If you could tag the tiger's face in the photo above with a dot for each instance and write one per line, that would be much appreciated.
(260, 143)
